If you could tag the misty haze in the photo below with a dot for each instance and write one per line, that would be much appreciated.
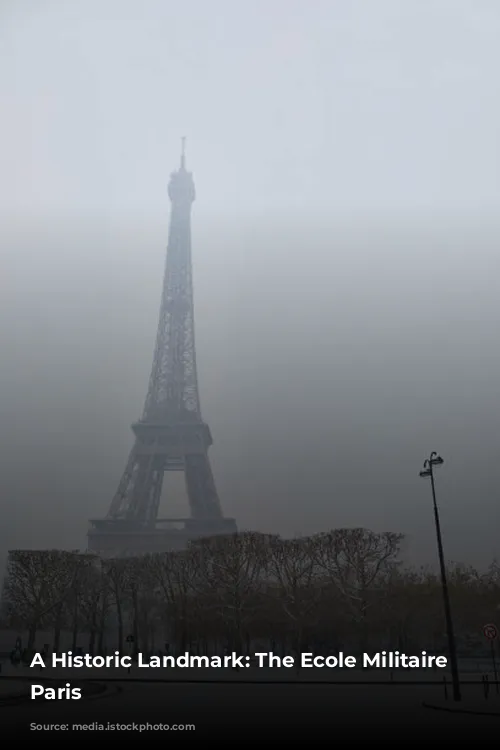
(345, 252)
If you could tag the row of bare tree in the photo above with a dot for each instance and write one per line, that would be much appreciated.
(336, 590)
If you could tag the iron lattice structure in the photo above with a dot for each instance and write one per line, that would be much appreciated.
(171, 435)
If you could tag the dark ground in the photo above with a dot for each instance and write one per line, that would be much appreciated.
(219, 709)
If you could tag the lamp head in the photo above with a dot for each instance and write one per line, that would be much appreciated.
(436, 460)
(425, 473)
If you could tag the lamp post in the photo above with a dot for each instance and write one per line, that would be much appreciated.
(428, 471)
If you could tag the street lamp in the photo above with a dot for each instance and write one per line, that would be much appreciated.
(428, 471)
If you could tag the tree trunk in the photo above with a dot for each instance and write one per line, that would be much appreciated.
(363, 629)
(57, 629)
(183, 628)
(75, 627)
(298, 648)
(93, 627)
(102, 623)
(152, 639)
(136, 624)
(32, 631)
(119, 615)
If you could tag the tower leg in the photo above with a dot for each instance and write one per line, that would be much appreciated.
(200, 486)
(147, 489)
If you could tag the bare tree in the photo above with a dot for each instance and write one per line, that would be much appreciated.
(172, 575)
(115, 572)
(95, 605)
(82, 573)
(295, 583)
(319, 591)
(37, 583)
(230, 574)
(359, 563)
(137, 582)
(409, 603)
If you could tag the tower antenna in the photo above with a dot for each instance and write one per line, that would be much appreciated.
(183, 152)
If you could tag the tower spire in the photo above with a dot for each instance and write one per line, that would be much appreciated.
(183, 152)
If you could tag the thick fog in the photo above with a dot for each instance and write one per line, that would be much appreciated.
(345, 247)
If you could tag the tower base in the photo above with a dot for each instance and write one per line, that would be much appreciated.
(122, 538)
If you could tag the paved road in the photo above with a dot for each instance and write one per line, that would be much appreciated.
(9, 688)
(226, 708)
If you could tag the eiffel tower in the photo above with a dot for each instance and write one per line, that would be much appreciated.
(171, 435)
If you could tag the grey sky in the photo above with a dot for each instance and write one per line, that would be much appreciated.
(344, 105)
(346, 237)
